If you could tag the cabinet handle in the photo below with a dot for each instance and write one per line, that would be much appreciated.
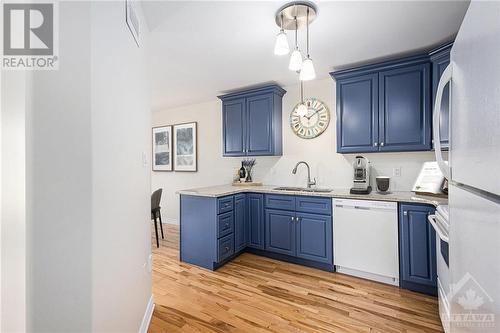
(226, 248)
(375, 144)
(297, 219)
(227, 224)
(405, 213)
(293, 218)
(381, 144)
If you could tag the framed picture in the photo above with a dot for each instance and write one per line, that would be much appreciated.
(162, 148)
(186, 147)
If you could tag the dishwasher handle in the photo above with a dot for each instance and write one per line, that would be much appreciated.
(366, 204)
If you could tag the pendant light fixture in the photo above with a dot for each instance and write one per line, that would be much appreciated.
(296, 57)
(281, 45)
(302, 110)
(307, 72)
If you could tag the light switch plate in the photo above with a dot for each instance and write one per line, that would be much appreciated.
(396, 172)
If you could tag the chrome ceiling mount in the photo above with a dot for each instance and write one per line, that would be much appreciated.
(295, 10)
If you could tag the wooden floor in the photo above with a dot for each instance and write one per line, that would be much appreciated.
(256, 294)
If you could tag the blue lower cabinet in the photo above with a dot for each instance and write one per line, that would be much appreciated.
(314, 237)
(225, 224)
(255, 220)
(417, 249)
(240, 222)
(280, 231)
(215, 230)
(277, 201)
(225, 247)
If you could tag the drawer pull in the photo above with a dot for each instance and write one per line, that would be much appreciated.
(227, 225)
(226, 249)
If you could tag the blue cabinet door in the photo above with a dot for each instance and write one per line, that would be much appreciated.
(314, 237)
(417, 245)
(439, 62)
(404, 108)
(280, 231)
(357, 114)
(234, 127)
(259, 140)
(240, 222)
(255, 220)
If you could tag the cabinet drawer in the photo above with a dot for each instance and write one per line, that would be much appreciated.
(314, 205)
(225, 224)
(225, 204)
(225, 247)
(285, 202)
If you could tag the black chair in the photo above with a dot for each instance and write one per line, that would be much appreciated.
(155, 213)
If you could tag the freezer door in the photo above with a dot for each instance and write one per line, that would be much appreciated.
(474, 259)
(475, 98)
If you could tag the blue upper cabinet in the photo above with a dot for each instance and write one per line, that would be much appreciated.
(440, 58)
(404, 99)
(251, 122)
(384, 106)
(417, 247)
(357, 114)
(233, 117)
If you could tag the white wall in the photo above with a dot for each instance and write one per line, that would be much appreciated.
(121, 211)
(13, 204)
(330, 169)
(87, 192)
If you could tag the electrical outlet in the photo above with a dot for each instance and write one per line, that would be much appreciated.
(396, 172)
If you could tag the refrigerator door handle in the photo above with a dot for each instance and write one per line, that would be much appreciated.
(436, 135)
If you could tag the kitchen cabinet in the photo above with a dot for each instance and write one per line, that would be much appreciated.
(300, 227)
(357, 114)
(314, 237)
(215, 230)
(404, 99)
(251, 122)
(417, 247)
(440, 59)
(240, 222)
(255, 218)
(385, 106)
(280, 231)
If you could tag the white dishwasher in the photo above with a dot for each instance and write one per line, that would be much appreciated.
(365, 239)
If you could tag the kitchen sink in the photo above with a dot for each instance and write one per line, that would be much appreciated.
(302, 189)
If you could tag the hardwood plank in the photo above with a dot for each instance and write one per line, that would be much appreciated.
(258, 294)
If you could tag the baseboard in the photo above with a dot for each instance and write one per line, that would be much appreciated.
(169, 220)
(146, 320)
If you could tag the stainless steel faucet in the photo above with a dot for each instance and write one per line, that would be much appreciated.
(309, 182)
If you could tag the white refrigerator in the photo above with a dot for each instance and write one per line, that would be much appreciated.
(473, 170)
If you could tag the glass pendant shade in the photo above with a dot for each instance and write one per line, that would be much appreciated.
(302, 110)
(281, 46)
(307, 72)
(295, 61)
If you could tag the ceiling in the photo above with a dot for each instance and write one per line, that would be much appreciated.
(200, 49)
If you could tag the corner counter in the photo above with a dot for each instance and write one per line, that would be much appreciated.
(395, 196)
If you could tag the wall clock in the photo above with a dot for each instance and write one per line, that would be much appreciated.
(313, 123)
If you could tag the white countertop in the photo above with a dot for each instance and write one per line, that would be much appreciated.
(398, 196)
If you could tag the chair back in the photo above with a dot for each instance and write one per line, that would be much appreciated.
(155, 199)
